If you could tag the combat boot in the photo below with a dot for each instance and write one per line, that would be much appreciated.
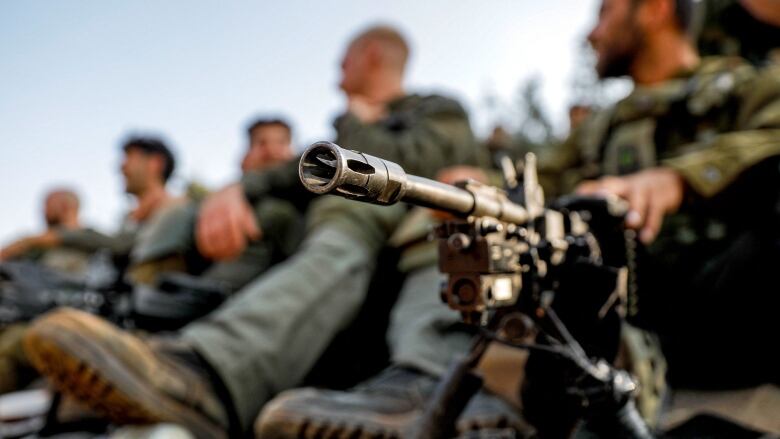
(127, 379)
(388, 406)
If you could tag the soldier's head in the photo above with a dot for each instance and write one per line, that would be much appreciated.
(378, 54)
(627, 28)
(61, 208)
(270, 143)
(147, 163)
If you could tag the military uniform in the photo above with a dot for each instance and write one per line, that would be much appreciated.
(62, 258)
(269, 335)
(705, 282)
(169, 244)
(729, 29)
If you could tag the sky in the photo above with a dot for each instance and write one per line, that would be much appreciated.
(78, 76)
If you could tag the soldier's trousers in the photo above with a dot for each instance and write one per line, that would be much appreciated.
(424, 333)
(268, 336)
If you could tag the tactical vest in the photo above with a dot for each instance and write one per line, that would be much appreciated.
(658, 122)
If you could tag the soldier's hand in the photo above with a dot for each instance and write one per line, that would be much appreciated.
(651, 194)
(226, 223)
(366, 110)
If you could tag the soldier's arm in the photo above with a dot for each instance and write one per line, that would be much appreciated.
(708, 168)
(711, 166)
(282, 226)
(24, 246)
(280, 182)
(90, 240)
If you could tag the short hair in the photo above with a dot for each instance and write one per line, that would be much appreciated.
(390, 38)
(269, 121)
(687, 13)
(153, 146)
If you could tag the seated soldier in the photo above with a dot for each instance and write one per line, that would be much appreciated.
(170, 244)
(60, 211)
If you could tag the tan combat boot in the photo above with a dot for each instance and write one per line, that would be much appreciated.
(121, 376)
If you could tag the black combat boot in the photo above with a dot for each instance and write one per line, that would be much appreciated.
(387, 406)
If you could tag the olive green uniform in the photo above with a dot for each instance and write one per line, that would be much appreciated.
(269, 335)
(169, 244)
(63, 257)
(706, 283)
(729, 29)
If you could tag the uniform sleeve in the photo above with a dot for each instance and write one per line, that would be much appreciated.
(90, 240)
(710, 166)
(280, 181)
(281, 224)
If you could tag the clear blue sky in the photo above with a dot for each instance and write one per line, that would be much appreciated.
(76, 76)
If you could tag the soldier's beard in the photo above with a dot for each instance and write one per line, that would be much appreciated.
(619, 56)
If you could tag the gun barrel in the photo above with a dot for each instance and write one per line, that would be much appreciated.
(326, 168)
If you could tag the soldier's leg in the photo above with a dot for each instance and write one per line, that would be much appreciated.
(424, 337)
(424, 333)
(718, 331)
(15, 369)
(268, 336)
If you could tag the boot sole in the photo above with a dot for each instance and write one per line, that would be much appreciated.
(110, 388)
(321, 422)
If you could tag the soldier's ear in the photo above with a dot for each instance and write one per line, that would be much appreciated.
(157, 162)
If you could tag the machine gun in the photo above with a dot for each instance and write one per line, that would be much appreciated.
(553, 280)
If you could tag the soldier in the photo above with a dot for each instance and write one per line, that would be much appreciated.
(61, 211)
(697, 141)
(170, 244)
(219, 371)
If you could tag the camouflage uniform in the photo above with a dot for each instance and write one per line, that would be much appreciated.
(269, 335)
(705, 281)
(729, 29)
